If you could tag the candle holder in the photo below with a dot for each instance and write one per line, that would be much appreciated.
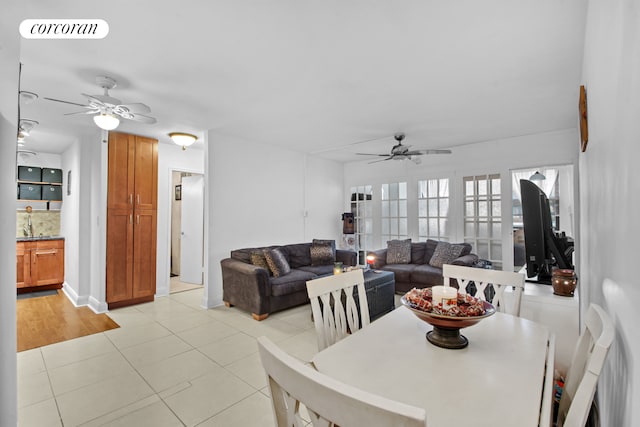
(370, 261)
(337, 268)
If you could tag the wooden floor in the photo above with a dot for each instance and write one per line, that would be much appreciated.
(51, 319)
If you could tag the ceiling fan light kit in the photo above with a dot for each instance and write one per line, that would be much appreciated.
(106, 121)
(183, 139)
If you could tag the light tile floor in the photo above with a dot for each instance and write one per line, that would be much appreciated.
(171, 363)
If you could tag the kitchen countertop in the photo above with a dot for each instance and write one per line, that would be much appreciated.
(38, 238)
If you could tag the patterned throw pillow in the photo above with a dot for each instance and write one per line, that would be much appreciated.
(323, 252)
(258, 259)
(277, 262)
(399, 251)
(445, 253)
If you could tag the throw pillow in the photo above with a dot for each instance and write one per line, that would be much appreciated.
(445, 253)
(277, 262)
(399, 251)
(258, 259)
(323, 252)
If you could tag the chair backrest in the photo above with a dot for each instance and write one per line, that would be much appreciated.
(588, 358)
(546, 406)
(328, 401)
(332, 318)
(482, 278)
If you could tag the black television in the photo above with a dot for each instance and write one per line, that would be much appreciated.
(544, 248)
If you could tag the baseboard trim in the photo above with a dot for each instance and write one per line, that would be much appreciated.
(97, 306)
(73, 296)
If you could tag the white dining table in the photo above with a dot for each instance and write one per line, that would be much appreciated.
(496, 380)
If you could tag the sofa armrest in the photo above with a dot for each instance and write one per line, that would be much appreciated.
(468, 260)
(245, 285)
(346, 257)
(380, 258)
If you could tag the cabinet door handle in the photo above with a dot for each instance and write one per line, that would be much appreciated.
(131, 199)
(138, 199)
(138, 219)
(130, 218)
(49, 252)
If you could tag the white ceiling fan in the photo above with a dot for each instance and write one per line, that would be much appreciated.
(402, 152)
(107, 109)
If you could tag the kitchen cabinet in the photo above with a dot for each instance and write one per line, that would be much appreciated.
(40, 262)
(131, 219)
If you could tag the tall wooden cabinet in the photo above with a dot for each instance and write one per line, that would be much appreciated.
(131, 219)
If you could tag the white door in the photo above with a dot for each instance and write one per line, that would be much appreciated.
(192, 229)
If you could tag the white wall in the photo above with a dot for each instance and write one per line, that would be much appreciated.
(256, 196)
(70, 220)
(9, 60)
(610, 185)
(170, 157)
(324, 197)
(500, 156)
(43, 160)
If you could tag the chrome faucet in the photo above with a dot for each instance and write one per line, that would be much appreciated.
(28, 228)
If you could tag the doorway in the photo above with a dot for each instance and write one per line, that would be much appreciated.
(187, 231)
(557, 184)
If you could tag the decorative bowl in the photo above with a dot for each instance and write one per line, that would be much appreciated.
(446, 329)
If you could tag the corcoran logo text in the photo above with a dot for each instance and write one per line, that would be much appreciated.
(64, 28)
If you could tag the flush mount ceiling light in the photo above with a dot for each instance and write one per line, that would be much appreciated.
(106, 121)
(537, 177)
(27, 97)
(26, 125)
(183, 139)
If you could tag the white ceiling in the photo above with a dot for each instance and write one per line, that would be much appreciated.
(315, 76)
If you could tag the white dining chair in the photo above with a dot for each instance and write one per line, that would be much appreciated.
(482, 278)
(328, 401)
(582, 377)
(333, 321)
(546, 406)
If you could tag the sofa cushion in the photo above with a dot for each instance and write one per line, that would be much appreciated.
(278, 264)
(425, 274)
(297, 254)
(430, 248)
(418, 250)
(320, 270)
(399, 251)
(295, 281)
(466, 248)
(258, 259)
(445, 253)
(323, 252)
(402, 272)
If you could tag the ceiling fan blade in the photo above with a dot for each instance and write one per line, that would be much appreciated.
(103, 99)
(140, 118)
(382, 160)
(135, 107)
(92, 111)
(371, 154)
(434, 151)
(66, 102)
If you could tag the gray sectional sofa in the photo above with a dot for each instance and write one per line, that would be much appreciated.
(252, 287)
(418, 272)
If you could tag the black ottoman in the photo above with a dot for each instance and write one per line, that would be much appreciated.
(380, 286)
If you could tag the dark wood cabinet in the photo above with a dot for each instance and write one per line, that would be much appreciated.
(40, 263)
(131, 219)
